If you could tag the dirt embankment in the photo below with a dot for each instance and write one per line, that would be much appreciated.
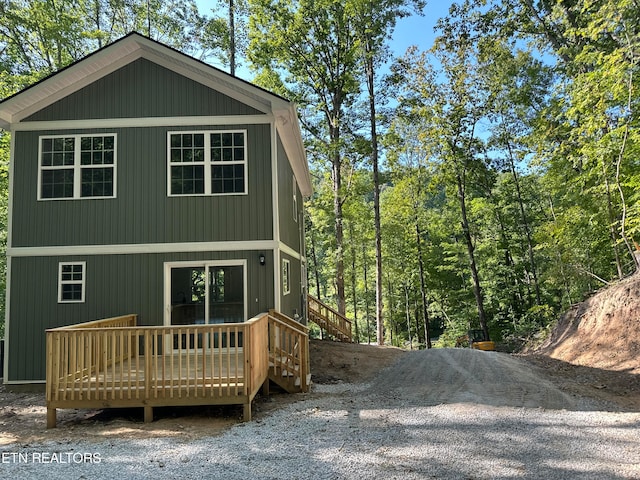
(602, 332)
(594, 349)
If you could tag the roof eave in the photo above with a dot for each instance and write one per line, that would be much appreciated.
(289, 129)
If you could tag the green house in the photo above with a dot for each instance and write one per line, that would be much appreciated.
(145, 181)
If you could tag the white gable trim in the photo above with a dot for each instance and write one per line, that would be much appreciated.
(121, 53)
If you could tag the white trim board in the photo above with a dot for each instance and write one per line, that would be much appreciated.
(143, 122)
(142, 248)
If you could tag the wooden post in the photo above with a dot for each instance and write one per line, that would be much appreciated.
(51, 417)
(148, 414)
(246, 412)
(147, 366)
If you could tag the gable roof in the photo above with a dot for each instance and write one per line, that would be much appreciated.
(108, 59)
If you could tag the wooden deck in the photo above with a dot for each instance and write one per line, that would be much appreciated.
(115, 363)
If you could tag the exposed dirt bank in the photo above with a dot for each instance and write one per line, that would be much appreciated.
(602, 332)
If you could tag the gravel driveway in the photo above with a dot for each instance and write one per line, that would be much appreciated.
(445, 414)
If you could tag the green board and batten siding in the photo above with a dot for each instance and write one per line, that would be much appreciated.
(142, 89)
(289, 227)
(115, 285)
(291, 304)
(141, 213)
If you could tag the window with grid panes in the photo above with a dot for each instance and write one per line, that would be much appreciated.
(77, 166)
(71, 282)
(207, 163)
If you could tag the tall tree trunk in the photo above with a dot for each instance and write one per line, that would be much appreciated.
(370, 73)
(232, 38)
(408, 315)
(336, 176)
(527, 228)
(621, 152)
(477, 290)
(623, 202)
(423, 287)
(613, 222)
(393, 330)
(366, 292)
(315, 264)
(353, 283)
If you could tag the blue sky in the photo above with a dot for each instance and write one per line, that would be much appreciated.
(418, 29)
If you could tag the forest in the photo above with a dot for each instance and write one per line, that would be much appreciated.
(488, 182)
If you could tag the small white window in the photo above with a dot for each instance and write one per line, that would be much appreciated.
(77, 166)
(286, 276)
(295, 199)
(71, 282)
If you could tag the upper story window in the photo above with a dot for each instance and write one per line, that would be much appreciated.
(77, 166)
(295, 198)
(207, 163)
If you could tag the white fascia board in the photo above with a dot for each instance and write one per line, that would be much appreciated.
(288, 127)
(141, 248)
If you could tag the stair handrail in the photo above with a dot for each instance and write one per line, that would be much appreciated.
(343, 325)
(300, 357)
(300, 328)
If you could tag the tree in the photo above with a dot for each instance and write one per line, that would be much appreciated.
(450, 103)
(308, 47)
(374, 22)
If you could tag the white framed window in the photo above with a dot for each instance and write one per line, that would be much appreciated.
(207, 163)
(295, 199)
(286, 276)
(71, 282)
(77, 166)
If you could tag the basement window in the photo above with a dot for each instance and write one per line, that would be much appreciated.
(71, 282)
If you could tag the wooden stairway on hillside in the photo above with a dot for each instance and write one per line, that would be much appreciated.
(329, 319)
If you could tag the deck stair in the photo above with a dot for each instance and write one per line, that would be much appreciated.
(330, 320)
(288, 353)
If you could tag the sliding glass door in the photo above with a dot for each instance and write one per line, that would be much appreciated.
(205, 293)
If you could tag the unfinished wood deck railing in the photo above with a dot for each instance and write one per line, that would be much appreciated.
(335, 324)
(289, 353)
(115, 363)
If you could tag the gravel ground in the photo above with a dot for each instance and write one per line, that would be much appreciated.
(392, 428)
